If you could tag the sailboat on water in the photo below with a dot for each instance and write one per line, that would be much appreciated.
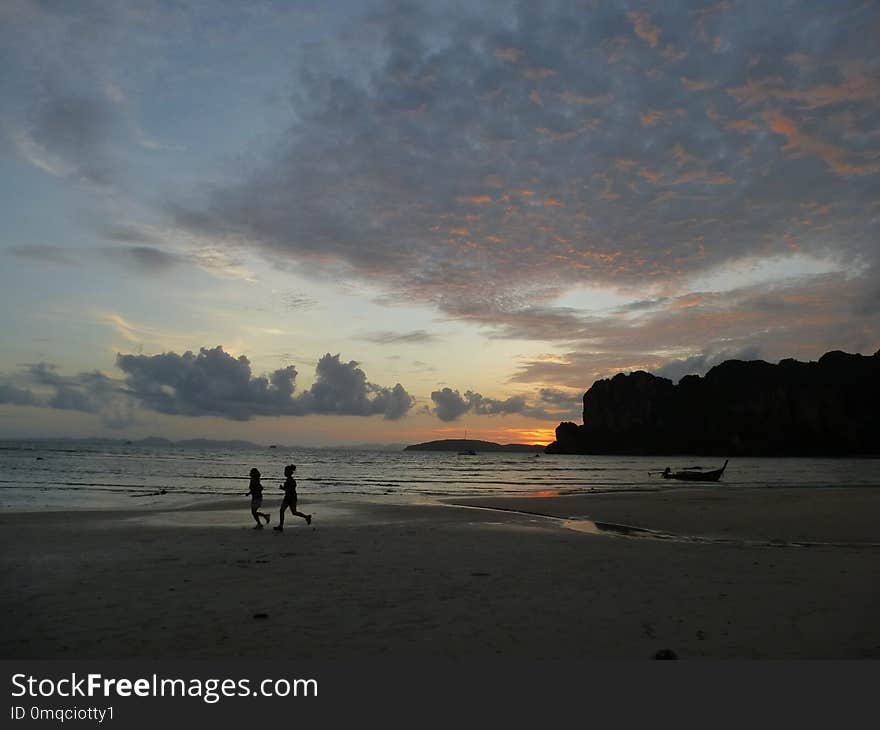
(467, 452)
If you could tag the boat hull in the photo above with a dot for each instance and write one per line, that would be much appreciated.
(697, 476)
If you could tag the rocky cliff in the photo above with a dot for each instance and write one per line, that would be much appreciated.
(830, 407)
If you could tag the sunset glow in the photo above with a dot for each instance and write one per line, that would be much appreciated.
(320, 223)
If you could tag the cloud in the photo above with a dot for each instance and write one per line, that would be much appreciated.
(89, 392)
(17, 396)
(450, 207)
(643, 28)
(415, 337)
(471, 160)
(147, 259)
(214, 382)
(674, 335)
(801, 143)
(295, 301)
(342, 388)
(43, 254)
(210, 383)
(69, 136)
(450, 405)
(701, 363)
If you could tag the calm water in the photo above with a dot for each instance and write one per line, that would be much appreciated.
(61, 475)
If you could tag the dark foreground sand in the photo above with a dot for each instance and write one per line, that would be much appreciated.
(373, 578)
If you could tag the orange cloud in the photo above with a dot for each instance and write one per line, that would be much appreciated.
(558, 136)
(672, 54)
(539, 73)
(553, 203)
(570, 98)
(476, 199)
(643, 28)
(535, 98)
(801, 143)
(682, 157)
(510, 55)
(614, 48)
(702, 176)
(694, 85)
(859, 87)
(650, 118)
(697, 172)
(743, 126)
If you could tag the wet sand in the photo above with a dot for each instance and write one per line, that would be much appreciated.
(372, 578)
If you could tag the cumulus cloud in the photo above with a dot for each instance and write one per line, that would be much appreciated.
(450, 405)
(701, 363)
(210, 383)
(89, 392)
(213, 382)
(16, 396)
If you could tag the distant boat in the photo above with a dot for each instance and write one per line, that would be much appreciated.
(272, 446)
(695, 474)
(467, 452)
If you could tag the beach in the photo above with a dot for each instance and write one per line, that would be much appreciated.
(744, 573)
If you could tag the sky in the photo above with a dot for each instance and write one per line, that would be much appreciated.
(322, 223)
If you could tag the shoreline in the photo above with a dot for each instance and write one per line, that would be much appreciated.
(381, 576)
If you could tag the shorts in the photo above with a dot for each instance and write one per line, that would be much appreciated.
(289, 501)
(256, 503)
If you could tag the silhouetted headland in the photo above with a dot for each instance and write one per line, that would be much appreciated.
(474, 445)
(825, 408)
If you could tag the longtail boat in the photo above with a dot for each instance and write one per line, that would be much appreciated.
(695, 474)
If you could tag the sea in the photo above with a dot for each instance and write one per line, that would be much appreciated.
(38, 475)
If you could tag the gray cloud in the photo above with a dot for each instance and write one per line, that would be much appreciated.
(71, 136)
(485, 162)
(295, 301)
(700, 364)
(415, 337)
(127, 233)
(213, 382)
(562, 404)
(450, 405)
(90, 392)
(17, 396)
(147, 259)
(43, 254)
(143, 259)
(210, 383)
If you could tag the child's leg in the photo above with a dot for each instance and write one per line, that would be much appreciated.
(307, 518)
(255, 514)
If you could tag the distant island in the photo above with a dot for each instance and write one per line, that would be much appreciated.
(825, 408)
(474, 445)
